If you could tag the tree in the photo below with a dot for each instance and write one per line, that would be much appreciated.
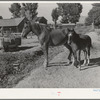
(28, 10)
(15, 10)
(96, 4)
(94, 15)
(1, 17)
(88, 21)
(70, 12)
(55, 16)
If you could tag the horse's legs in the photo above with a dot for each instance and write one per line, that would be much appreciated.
(70, 52)
(75, 59)
(45, 48)
(79, 59)
(85, 59)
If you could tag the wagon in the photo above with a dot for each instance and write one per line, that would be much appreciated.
(11, 41)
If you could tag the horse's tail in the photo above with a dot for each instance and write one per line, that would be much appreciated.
(91, 45)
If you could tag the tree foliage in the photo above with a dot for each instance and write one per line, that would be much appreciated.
(55, 15)
(94, 15)
(1, 17)
(96, 4)
(70, 12)
(15, 9)
(28, 10)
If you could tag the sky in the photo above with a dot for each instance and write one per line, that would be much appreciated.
(44, 9)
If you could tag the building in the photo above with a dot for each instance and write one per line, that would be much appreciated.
(41, 20)
(13, 25)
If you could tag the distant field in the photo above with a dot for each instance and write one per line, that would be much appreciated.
(83, 29)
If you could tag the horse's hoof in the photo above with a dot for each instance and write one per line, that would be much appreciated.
(76, 64)
(69, 63)
(79, 67)
(45, 65)
(87, 64)
(72, 64)
(83, 65)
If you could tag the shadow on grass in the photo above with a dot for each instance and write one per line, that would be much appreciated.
(58, 64)
(95, 62)
(21, 48)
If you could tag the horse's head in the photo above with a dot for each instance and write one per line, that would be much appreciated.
(26, 29)
(71, 33)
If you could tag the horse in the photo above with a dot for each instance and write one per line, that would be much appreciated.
(78, 43)
(47, 37)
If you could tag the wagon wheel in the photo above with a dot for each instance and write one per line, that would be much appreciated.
(16, 47)
(6, 48)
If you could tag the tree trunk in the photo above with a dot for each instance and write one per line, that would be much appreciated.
(93, 26)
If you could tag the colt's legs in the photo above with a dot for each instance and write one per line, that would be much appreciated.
(70, 52)
(88, 56)
(85, 55)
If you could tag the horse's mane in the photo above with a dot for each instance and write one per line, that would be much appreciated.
(42, 27)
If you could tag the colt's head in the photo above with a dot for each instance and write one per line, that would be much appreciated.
(70, 35)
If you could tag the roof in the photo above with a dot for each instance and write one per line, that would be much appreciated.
(39, 18)
(10, 22)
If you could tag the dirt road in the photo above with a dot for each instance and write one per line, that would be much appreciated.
(61, 75)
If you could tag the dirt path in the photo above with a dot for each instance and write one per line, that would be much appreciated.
(60, 75)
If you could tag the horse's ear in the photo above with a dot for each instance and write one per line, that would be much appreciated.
(26, 22)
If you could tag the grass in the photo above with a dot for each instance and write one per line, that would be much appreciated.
(15, 66)
(83, 29)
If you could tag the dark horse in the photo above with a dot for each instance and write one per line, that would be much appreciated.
(79, 42)
(47, 37)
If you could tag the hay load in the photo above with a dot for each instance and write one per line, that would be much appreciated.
(11, 41)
